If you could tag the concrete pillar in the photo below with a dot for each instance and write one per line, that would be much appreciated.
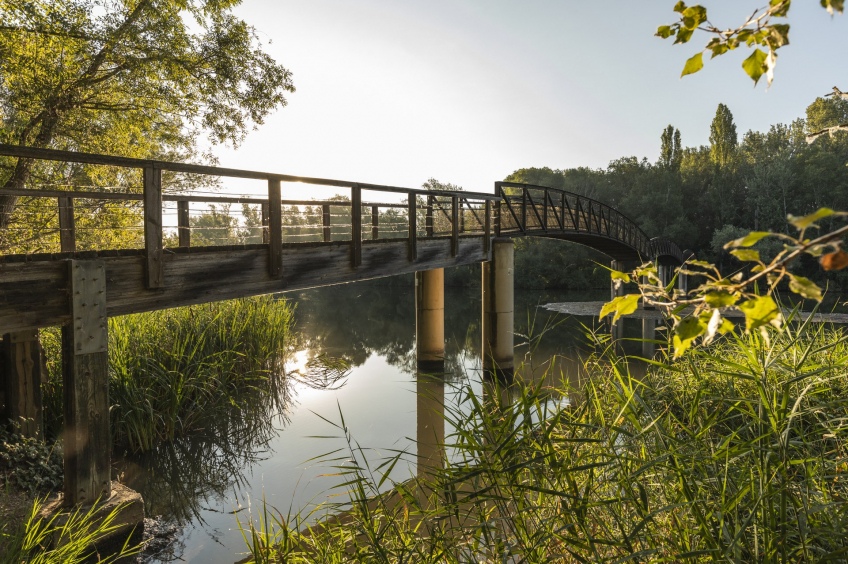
(430, 417)
(498, 309)
(430, 319)
(85, 363)
(22, 374)
(649, 333)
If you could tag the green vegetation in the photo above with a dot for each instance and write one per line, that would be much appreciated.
(735, 454)
(173, 371)
(60, 540)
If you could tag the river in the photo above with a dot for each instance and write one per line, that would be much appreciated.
(352, 367)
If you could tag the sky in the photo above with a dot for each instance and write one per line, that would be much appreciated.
(468, 91)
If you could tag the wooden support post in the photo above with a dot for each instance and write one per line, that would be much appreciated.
(498, 310)
(430, 319)
(412, 212)
(275, 229)
(22, 365)
(375, 222)
(487, 226)
(462, 215)
(454, 225)
(428, 218)
(498, 208)
(155, 267)
(356, 226)
(266, 211)
(87, 442)
(183, 223)
(67, 225)
(325, 215)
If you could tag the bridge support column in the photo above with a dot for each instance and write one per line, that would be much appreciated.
(430, 319)
(430, 419)
(87, 441)
(499, 309)
(22, 374)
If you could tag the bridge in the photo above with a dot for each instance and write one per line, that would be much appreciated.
(371, 231)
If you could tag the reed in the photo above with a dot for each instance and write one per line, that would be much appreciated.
(736, 453)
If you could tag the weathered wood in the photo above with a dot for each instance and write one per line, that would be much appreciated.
(412, 236)
(356, 226)
(487, 228)
(325, 215)
(265, 210)
(67, 225)
(375, 222)
(22, 365)
(183, 224)
(454, 219)
(87, 442)
(154, 275)
(275, 229)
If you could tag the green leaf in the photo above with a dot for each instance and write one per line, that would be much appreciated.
(701, 263)
(623, 276)
(693, 65)
(622, 305)
(807, 220)
(680, 6)
(720, 299)
(746, 255)
(804, 287)
(755, 65)
(748, 240)
(778, 35)
(664, 31)
(759, 311)
(832, 6)
(694, 16)
(685, 333)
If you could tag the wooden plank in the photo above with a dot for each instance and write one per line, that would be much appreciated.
(86, 440)
(67, 225)
(412, 212)
(375, 222)
(183, 224)
(275, 229)
(454, 225)
(22, 361)
(325, 214)
(154, 274)
(356, 226)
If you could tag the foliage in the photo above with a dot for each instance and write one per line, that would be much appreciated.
(764, 28)
(734, 456)
(41, 540)
(29, 464)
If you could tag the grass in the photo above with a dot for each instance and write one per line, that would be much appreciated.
(173, 371)
(736, 453)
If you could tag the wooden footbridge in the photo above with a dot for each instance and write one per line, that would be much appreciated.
(79, 288)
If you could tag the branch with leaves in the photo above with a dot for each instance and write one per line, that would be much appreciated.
(759, 30)
(701, 313)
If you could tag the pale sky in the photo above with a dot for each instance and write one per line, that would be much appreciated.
(467, 91)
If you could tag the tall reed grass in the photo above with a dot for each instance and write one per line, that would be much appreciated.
(737, 453)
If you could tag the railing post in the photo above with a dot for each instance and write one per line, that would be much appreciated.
(498, 210)
(454, 225)
(428, 218)
(266, 210)
(325, 218)
(356, 226)
(487, 226)
(545, 212)
(155, 268)
(375, 222)
(67, 225)
(523, 210)
(412, 211)
(462, 214)
(183, 227)
(275, 229)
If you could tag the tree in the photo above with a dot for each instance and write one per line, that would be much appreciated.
(723, 138)
(670, 150)
(139, 78)
(756, 31)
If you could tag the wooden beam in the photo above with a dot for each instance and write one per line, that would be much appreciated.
(22, 359)
(154, 274)
(67, 225)
(275, 229)
(355, 226)
(183, 224)
(412, 212)
(87, 441)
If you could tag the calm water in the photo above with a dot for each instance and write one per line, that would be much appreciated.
(205, 483)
